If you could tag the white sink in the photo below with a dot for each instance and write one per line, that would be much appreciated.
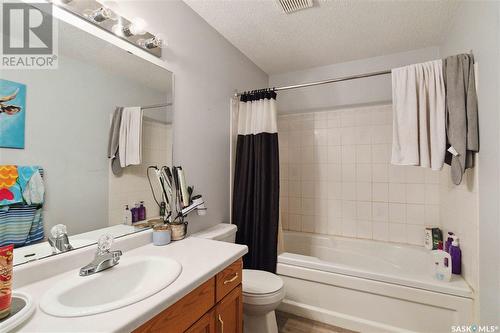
(133, 279)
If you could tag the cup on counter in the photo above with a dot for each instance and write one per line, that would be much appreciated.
(179, 230)
(6, 259)
(162, 234)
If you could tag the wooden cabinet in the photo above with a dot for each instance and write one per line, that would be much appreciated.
(229, 278)
(214, 307)
(205, 324)
(229, 312)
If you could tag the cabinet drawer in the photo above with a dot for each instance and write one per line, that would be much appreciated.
(228, 279)
(185, 312)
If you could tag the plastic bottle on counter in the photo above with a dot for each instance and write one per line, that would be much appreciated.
(127, 216)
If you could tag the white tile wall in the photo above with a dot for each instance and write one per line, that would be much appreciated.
(336, 178)
(133, 185)
(459, 214)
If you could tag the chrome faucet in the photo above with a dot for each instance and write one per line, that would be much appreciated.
(104, 258)
(59, 239)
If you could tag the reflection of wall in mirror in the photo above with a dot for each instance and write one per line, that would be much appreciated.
(67, 134)
(132, 186)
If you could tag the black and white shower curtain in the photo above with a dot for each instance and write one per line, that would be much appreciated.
(256, 180)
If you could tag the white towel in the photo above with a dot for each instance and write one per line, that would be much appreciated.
(418, 102)
(130, 142)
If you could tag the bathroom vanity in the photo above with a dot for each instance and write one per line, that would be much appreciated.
(205, 297)
(215, 306)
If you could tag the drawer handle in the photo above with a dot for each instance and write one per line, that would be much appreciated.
(231, 279)
(221, 324)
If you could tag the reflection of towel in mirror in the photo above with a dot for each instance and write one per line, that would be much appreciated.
(130, 142)
(114, 140)
(16, 181)
(461, 114)
(35, 190)
(21, 224)
(418, 101)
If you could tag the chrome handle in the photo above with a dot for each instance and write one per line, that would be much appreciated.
(231, 279)
(221, 324)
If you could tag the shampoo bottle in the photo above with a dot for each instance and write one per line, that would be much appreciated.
(456, 256)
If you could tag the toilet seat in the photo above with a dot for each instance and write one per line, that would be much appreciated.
(261, 288)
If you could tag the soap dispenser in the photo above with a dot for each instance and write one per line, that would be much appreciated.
(142, 211)
(456, 256)
(127, 216)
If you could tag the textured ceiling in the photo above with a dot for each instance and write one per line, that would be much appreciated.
(330, 32)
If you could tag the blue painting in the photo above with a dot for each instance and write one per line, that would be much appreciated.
(12, 114)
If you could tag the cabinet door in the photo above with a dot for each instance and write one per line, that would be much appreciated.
(205, 324)
(229, 312)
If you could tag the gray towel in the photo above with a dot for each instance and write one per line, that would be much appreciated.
(462, 129)
(113, 142)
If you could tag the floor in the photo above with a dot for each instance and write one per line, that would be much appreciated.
(288, 323)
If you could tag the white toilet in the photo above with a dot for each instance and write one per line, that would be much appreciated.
(262, 291)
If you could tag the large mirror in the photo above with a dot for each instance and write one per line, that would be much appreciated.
(54, 143)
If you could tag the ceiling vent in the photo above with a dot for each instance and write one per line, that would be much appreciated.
(291, 6)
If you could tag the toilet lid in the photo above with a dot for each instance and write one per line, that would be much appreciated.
(260, 282)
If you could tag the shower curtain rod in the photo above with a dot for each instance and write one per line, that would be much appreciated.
(155, 106)
(317, 83)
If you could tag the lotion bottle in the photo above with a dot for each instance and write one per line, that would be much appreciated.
(127, 216)
(456, 256)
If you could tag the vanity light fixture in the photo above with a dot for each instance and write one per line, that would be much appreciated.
(133, 31)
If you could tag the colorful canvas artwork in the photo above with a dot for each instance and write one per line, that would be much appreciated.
(12, 114)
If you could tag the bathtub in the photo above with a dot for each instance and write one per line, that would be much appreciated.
(369, 286)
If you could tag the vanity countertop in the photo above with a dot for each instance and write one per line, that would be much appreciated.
(200, 258)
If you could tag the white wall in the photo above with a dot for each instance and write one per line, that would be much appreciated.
(207, 69)
(477, 28)
(67, 121)
(459, 214)
(133, 185)
(368, 90)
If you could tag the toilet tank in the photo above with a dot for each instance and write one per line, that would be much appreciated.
(224, 232)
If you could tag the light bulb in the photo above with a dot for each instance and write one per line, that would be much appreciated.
(150, 43)
(100, 15)
(118, 29)
(137, 27)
